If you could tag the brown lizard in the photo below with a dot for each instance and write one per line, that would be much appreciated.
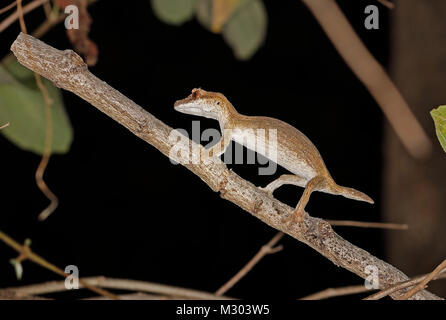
(295, 152)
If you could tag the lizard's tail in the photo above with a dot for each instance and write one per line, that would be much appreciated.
(350, 193)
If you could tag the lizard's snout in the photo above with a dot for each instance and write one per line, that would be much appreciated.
(180, 105)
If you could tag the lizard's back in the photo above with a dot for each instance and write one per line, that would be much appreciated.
(295, 152)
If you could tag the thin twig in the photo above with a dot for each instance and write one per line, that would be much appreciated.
(264, 250)
(138, 296)
(47, 9)
(14, 16)
(117, 284)
(26, 253)
(387, 3)
(68, 71)
(4, 126)
(372, 75)
(40, 171)
(341, 291)
(403, 285)
(336, 292)
(424, 282)
(8, 7)
(360, 224)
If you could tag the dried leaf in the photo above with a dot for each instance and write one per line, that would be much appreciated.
(439, 116)
(221, 12)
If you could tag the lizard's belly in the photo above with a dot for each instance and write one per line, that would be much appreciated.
(274, 151)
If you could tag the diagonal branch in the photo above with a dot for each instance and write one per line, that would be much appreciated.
(26, 253)
(14, 16)
(68, 71)
(268, 248)
(424, 282)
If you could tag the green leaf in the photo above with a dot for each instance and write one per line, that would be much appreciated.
(204, 13)
(439, 116)
(245, 31)
(174, 12)
(22, 105)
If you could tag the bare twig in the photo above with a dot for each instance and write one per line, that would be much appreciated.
(4, 126)
(266, 249)
(387, 3)
(67, 70)
(360, 224)
(336, 292)
(372, 75)
(403, 285)
(47, 8)
(26, 253)
(8, 7)
(138, 296)
(424, 282)
(341, 291)
(14, 16)
(117, 284)
(40, 171)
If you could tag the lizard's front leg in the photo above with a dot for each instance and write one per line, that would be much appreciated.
(285, 179)
(218, 149)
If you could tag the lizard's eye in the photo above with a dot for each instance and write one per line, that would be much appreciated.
(218, 103)
(195, 94)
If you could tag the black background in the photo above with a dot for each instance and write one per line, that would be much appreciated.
(125, 211)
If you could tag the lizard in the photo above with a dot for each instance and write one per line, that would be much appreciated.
(295, 152)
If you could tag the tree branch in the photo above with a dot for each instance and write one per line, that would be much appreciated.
(268, 248)
(26, 253)
(362, 224)
(68, 71)
(336, 292)
(117, 284)
(14, 16)
(424, 282)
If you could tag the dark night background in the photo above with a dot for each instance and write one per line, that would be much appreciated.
(125, 211)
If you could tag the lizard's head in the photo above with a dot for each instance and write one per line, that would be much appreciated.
(204, 104)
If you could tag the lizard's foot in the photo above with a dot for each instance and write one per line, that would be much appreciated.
(267, 190)
(297, 216)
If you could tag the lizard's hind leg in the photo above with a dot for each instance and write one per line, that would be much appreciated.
(315, 184)
(285, 179)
